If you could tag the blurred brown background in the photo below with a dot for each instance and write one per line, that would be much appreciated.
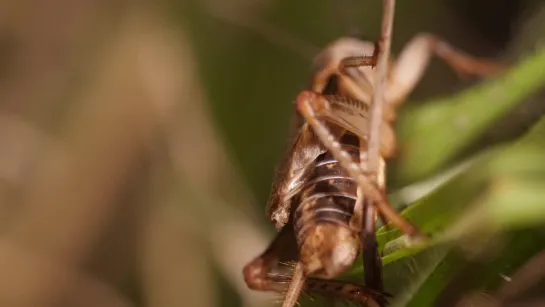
(138, 139)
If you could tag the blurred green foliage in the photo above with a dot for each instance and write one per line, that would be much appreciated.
(119, 189)
(433, 134)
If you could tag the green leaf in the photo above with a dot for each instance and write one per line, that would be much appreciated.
(431, 135)
(500, 196)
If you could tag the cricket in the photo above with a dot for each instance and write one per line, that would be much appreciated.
(330, 188)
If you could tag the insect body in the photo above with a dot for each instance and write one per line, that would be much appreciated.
(323, 207)
(323, 177)
(313, 194)
(321, 219)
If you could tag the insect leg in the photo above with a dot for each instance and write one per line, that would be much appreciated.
(365, 296)
(295, 287)
(357, 61)
(261, 274)
(413, 60)
(351, 78)
(258, 273)
(312, 106)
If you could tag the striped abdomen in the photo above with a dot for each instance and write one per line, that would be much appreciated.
(323, 208)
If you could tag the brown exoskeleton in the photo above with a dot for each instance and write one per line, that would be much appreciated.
(324, 175)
